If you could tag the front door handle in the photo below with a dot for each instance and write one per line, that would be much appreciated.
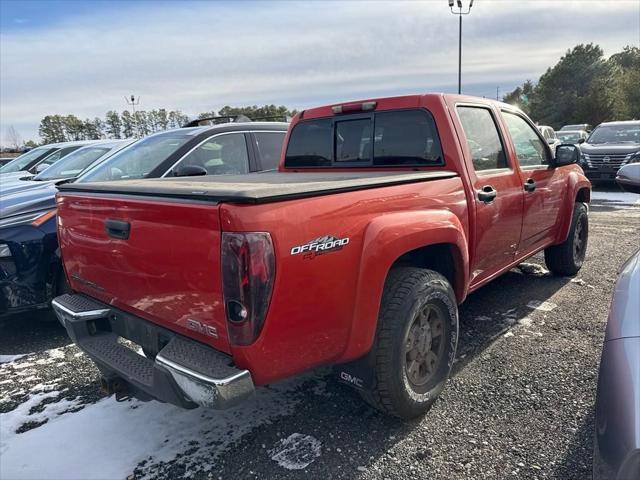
(487, 194)
(530, 185)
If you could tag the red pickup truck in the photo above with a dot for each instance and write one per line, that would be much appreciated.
(383, 216)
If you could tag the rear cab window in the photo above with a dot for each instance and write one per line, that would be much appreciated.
(393, 138)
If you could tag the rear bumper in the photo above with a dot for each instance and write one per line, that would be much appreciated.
(184, 373)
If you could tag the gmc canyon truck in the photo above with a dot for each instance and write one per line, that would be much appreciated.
(383, 216)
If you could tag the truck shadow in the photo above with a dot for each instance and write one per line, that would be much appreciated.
(355, 437)
(31, 332)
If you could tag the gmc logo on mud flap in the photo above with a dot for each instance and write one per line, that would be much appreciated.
(351, 379)
(197, 326)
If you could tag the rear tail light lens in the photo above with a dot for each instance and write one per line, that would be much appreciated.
(248, 270)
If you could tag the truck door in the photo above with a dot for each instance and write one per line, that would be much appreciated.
(543, 186)
(498, 192)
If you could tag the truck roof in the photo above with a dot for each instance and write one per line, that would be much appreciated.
(402, 101)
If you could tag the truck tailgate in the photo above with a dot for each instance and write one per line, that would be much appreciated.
(159, 260)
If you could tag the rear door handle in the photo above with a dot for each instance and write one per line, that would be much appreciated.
(530, 185)
(117, 229)
(487, 194)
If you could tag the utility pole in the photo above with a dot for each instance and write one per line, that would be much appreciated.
(498, 92)
(132, 101)
(460, 12)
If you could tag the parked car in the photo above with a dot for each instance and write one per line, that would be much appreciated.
(550, 136)
(384, 215)
(610, 146)
(38, 159)
(617, 436)
(68, 167)
(577, 126)
(573, 136)
(30, 270)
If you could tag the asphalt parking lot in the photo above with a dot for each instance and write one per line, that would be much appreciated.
(519, 405)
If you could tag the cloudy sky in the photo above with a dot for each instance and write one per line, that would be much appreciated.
(83, 57)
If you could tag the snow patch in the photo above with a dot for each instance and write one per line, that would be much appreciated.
(56, 353)
(12, 358)
(296, 452)
(482, 318)
(542, 306)
(117, 437)
(532, 269)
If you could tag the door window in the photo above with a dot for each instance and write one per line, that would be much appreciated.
(269, 147)
(530, 148)
(220, 155)
(482, 137)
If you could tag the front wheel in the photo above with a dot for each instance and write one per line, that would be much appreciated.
(415, 343)
(568, 257)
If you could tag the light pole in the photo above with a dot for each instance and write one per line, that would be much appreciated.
(460, 12)
(132, 102)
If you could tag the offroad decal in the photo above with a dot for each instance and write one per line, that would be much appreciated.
(320, 246)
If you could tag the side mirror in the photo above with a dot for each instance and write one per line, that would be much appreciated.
(551, 141)
(628, 177)
(42, 167)
(566, 154)
(189, 171)
(581, 141)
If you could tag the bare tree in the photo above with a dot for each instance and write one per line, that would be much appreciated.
(13, 138)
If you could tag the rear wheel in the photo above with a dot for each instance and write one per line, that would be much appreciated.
(568, 257)
(416, 342)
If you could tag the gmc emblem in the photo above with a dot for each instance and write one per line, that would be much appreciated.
(200, 327)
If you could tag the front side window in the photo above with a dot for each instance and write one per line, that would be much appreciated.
(530, 148)
(269, 147)
(388, 138)
(220, 155)
(482, 137)
(23, 161)
(74, 163)
(137, 160)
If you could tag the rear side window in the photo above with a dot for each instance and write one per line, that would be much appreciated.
(391, 138)
(269, 147)
(482, 138)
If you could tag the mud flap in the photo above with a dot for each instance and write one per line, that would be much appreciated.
(359, 373)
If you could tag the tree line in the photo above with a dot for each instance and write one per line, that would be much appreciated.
(126, 124)
(583, 87)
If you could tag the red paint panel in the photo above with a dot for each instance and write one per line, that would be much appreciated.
(167, 271)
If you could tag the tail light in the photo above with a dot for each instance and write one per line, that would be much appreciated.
(248, 269)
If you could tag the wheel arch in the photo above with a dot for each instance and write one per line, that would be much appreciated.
(434, 239)
(578, 190)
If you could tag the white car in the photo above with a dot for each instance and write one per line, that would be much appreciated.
(550, 137)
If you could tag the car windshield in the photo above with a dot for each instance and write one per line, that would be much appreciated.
(137, 160)
(615, 134)
(73, 164)
(22, 162)
(569, 136)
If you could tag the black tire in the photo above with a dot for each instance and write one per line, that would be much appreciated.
(408, 294)
(567, 258)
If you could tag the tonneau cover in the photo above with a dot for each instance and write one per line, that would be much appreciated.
(256, 187)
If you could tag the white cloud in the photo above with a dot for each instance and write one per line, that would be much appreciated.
(199, 57)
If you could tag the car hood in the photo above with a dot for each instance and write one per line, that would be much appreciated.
(29, 200)
(4, 177)
(610, 148)
(14, 186)
(625, 305)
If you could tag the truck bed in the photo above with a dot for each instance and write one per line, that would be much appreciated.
(256, 187)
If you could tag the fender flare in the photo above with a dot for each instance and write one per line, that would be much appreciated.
(387, 238)
(576, 182)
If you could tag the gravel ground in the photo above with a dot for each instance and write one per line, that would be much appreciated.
(519, 404)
